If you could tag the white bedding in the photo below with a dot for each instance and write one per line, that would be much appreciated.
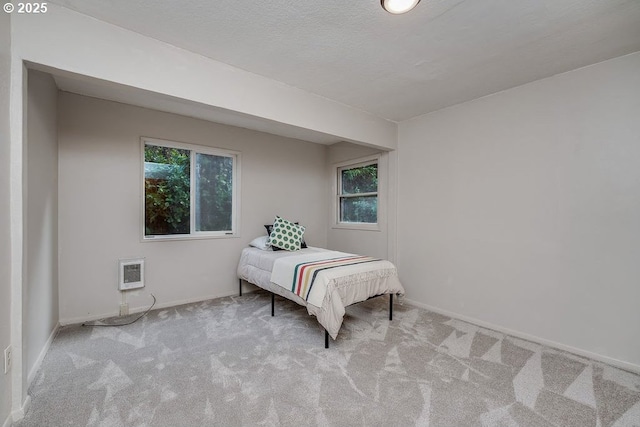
(255, 267)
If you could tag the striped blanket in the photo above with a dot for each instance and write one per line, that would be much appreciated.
(308, 275)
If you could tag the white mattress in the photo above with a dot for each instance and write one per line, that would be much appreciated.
(255, 267)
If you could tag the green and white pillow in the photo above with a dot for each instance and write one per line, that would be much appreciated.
(286, 235)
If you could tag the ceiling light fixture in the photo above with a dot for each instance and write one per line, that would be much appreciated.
(398, 6)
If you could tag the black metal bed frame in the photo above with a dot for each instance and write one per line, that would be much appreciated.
(326, 333)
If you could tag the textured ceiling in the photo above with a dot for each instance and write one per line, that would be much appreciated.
(442, 53)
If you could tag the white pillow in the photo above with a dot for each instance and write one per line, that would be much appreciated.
(261, 243)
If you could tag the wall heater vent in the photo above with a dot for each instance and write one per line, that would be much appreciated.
(131, 274)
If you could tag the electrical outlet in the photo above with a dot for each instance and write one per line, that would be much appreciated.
(124, 309)
(7, 360)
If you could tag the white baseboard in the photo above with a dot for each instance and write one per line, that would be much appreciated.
(631, 367)
(19, 414)
(76, 320)
(45, 349)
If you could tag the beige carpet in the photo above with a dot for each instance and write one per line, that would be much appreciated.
(227, 362)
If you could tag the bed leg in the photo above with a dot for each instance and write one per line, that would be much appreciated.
(390, 306)
(326, 339)
(240, 287)
(273, 304)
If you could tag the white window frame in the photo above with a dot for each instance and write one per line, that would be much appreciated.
(337, 188)
(235, 193)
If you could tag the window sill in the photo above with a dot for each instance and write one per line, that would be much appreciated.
(182, 237)
(356, 226)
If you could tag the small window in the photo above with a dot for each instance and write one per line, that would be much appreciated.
(358, 193)
(189, 191)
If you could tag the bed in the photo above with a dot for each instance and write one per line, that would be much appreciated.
(344, 285)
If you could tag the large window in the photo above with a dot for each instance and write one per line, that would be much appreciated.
(189, 191)
(357, 193)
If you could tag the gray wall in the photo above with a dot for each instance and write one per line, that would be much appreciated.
(521, 209)
(5, 230)
(100, 204)
(40, 293)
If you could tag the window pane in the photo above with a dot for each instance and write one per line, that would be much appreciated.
(214, 191)
(363, 179)
(359, 209)
(167, 190)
